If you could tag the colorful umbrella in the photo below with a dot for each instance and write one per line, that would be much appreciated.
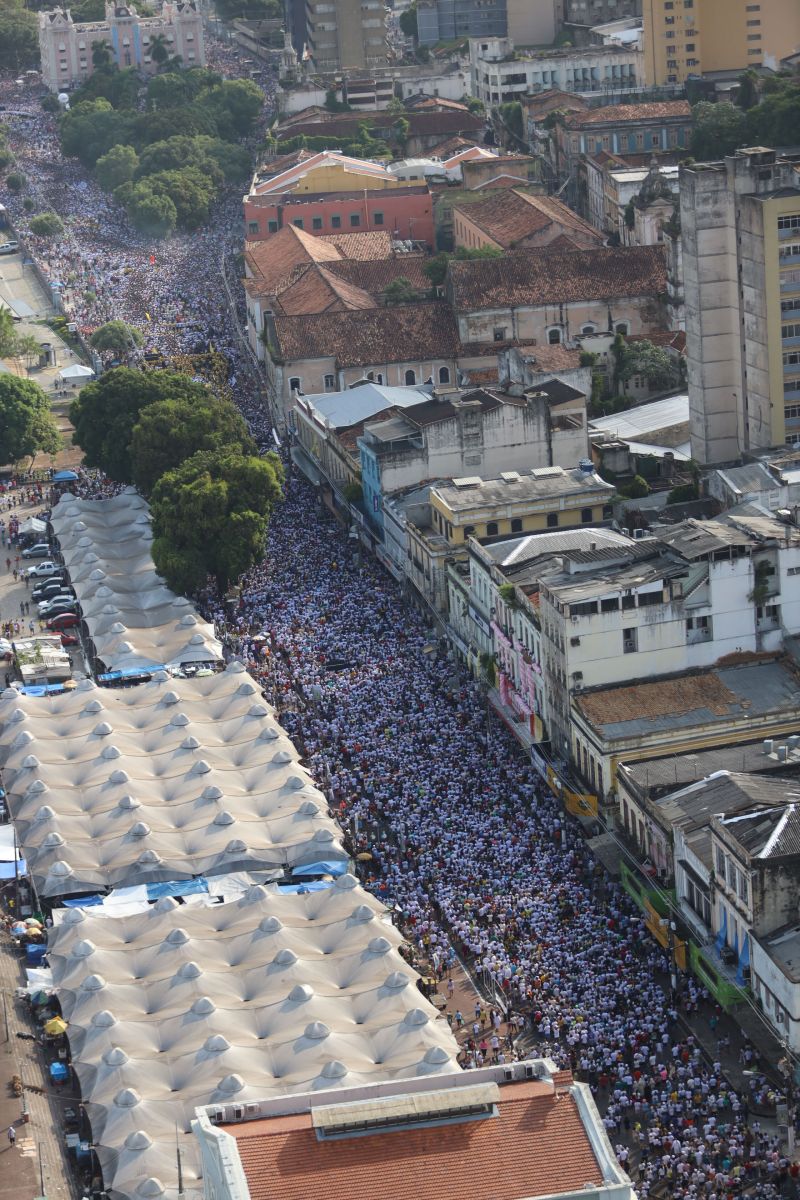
(19, 929)
(55, 1026)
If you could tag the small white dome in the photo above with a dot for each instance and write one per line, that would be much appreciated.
(127, 1098)
(189, 970)
(216, 1044)
(270, 925)
(203, 1007)
(415, 1017)
(285, 958)
(362, 913)
(115, 1057)
(346, 882)
(379, 945)
(333, 1070)
(138, 1141)
(316, 1031)
(300, 993)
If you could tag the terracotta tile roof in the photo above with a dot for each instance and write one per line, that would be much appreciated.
(317, 290)
(420, 123)
(486, 375)
(274, 261)
(690, 693)
(545, 276)
(402, 333)
(675, 339)
(516, 215)
(499, 181)
(364, 246)
(546, 102)
(619, 114)
(434, 103)
(536, 1146)
(450, 146)
(551, 358)
(375, 277)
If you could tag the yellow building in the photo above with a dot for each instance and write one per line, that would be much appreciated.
(693, 37)
(546, 498)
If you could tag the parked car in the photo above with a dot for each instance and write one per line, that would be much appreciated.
(67, 620)
(44, 568)
(57, 604)
(9, 247)
(69, 639)
(39, 550)
(49, 587)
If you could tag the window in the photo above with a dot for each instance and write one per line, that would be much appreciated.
(753, 24)
(587, 330)
(622, 327)
(491, 529)
(252, 226)
(720, 857)
(298, 222)
(499, 334)
(552, 520)
(411, 378)
(468, 531)
(586, 515)
(628, 601)
(610, 604)
(272, 226)
(336, 222)
(377, 218)
(630, 641)
(554, 337)
(444, 374)
(294, 384)
(753, 37)
(355, 220)
(316, 222)
(330, 383)
(516, 527)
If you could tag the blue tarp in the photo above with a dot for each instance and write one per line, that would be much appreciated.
(744, 959)
(7, 870)
(320, 868)
(34, 954)
(301, 889)
(58, 1071)
(64, 477)
(719, 940)
(42, 689)
(83, 902)
(180, 887)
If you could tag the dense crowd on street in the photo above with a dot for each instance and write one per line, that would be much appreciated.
(466, 842)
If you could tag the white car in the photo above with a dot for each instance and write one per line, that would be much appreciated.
(9, 247)
(48, 567)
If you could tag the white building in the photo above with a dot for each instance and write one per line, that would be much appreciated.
(66, 46)
(500, 74)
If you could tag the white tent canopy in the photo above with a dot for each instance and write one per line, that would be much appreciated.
(76, 371)
(173, 779)
(133, 618)
(272, 994)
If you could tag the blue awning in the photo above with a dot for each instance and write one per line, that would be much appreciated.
(64, 477)
(744, 959)
(83, 902)
(301, 889)
(335, 868)
(178, 887)
(9, 871)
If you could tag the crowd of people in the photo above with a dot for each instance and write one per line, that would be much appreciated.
(466, 842)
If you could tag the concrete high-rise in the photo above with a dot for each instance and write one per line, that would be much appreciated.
(692, 37)
(740, 229)
(346, 34)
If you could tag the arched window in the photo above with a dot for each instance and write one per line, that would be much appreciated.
(294, 384)
(587, 330)
(491, 529)
(554, 337)
(444, 374)
(411, 378)
(371, 375)
(516, 524)
(622, 327)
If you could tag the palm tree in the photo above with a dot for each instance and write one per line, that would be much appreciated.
(101, 55)
(159, 48)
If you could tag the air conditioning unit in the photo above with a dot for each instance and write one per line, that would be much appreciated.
(238, 1113)
(508, 1074)
(217, 1117)
(530, 1071)
(252, 1110)
(575, 641)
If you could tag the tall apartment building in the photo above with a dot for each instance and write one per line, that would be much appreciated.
(345, 34)
(693, 37)
(740, 222)
(597, 12)
(66, 46)
(528, 22)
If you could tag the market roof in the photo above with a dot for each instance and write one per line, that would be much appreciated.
(556, 276)
(748, 691)
(227, 1004)
(133, 618)
(648, 421)
(723, 792)
(520, 550)
(538, 1143)
(656, 776)
(772, 832)
(173, 779)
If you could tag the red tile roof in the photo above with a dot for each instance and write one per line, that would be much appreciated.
(318, 290)
(537, 1145)
(510, 218)
(375, 277)
(551, 358)
(401, 333)
(420, 123)
(274, 262)
(620, 114)
(365, 246)
(545, 276)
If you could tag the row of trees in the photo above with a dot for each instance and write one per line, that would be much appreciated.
(191, 454)
(19, 39)
(26, 423)
(162, 179)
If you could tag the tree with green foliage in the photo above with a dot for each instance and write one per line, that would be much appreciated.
(148, 211)
(747, 96)
(105, 412)
(170, 431)
(47, 224)
(644, 360)
(717, 130)
(159, 49)
(408, 22)
(235, 106)
(511, 114)
(210, 516)
(116, 167)
(119, 88)
(92, 127)
(101, 55)
(116, 337)
(167, 91)
(436, 268)
(776, 120)
(9, 339)
(190, 191)
(253, 10)
(26, 423)
(15, 182)
(19, 38)
(401, 291)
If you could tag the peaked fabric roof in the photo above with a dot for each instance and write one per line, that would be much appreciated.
(168, 780)
(133, 618)
(228, 1004)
